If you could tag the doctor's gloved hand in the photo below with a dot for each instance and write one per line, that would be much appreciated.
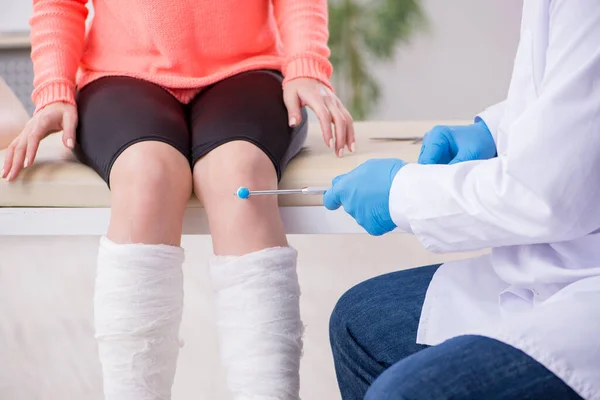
(364, 193)
(454, 144)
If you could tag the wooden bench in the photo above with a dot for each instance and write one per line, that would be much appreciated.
(59, 196)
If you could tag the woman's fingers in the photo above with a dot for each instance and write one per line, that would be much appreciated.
(350, 135)
(18, 158)
(25, 148)
(292, 103)
(8, 158)
(69, 125)
(32, 147)
(317, 104)
(339, 121)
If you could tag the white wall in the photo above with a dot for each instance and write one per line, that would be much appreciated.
(14, 15)
(461, 65)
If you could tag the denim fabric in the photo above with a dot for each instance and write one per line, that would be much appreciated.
(373, 330)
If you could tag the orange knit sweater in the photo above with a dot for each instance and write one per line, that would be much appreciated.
(181, 45)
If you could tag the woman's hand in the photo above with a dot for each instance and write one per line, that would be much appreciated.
(329, 109)
(53, 118)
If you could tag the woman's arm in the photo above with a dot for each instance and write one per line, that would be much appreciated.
(57, 37)
(547, 187)
(304, 33)
(13, 115)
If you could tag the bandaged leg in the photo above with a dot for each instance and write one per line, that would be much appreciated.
(258, 317)
(138, 304)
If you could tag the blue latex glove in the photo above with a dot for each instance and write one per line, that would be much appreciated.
(364, 193)
(454, 144)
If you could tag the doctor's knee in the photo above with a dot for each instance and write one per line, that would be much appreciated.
(403, 384)
(348, 319)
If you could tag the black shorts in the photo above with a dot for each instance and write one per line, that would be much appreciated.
(116, 112)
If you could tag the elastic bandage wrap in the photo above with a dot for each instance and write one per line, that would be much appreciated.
(138, 303)
(259, 324)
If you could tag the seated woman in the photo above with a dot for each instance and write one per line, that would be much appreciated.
(13, 115)
(172, 97)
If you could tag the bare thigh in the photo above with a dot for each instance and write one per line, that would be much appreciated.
(151, 184)
(135, 135)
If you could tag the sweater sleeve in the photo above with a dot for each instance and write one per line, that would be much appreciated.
(304, 32)
(57, 37)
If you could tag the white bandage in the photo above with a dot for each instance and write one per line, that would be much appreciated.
(258, 317)
(138, 304)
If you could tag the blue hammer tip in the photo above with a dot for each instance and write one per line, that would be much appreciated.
(243, 193)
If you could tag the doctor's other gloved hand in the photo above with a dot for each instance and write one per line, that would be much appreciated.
(454, 144)
(364, 193)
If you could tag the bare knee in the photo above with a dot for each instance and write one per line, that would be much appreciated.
(239, 226)
(150, 186)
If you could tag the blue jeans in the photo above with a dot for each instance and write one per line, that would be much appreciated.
(373, 331)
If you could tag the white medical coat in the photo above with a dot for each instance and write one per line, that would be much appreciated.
(537, 205)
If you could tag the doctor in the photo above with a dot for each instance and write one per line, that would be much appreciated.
(524, 180)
